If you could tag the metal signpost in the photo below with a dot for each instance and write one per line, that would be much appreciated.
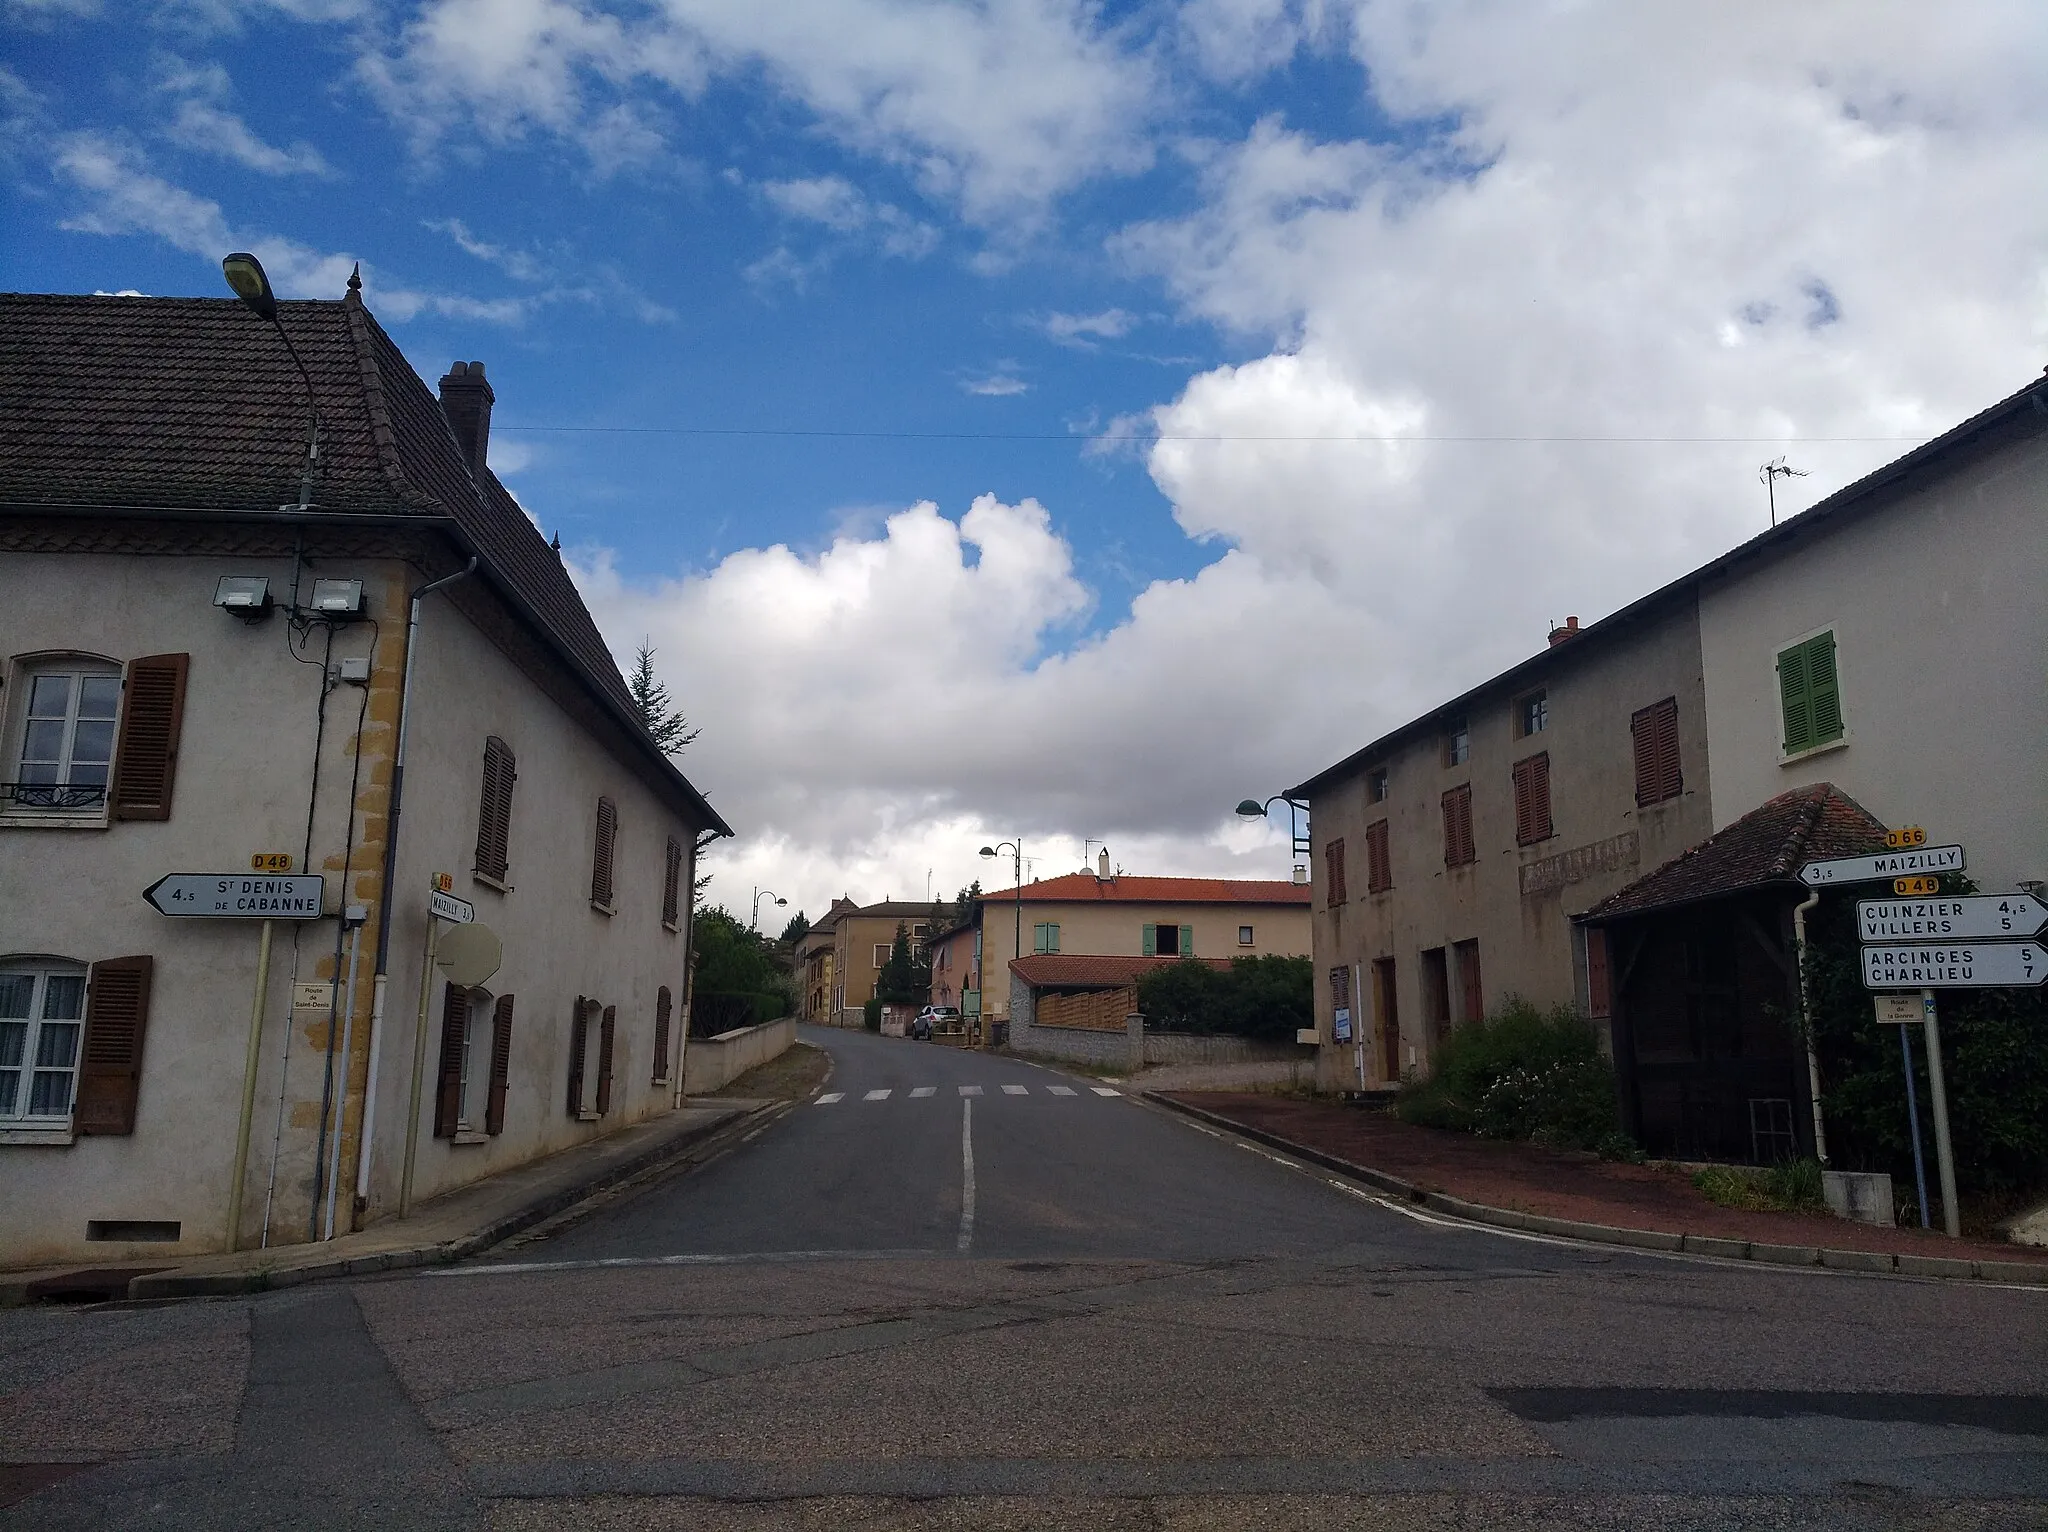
(1902, 1011)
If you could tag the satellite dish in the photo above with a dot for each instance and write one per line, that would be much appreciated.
(470, 954)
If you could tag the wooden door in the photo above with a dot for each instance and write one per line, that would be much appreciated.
(1386, 1006)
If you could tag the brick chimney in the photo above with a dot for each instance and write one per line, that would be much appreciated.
(466, 400)
(1557, 635)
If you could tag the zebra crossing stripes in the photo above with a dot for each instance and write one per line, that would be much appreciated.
(923, 1092)
(876, 1095)
(1061, 1090)
(1016, 1090)
(831, 1096)
(970, 1090)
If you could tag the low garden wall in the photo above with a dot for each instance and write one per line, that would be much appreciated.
(1088, 1045)
(712, 1063)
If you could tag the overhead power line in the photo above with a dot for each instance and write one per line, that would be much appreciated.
(1069, 436)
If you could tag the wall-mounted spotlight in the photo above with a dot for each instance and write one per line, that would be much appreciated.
(246, 596)
(337, 598)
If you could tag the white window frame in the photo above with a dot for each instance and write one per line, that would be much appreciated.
(40, 970)
(1244, 936)
(473, 1088)
(22, 672)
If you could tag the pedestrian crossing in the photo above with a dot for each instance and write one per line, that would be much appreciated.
(922, 1092)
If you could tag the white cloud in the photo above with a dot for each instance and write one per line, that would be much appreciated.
(516, 264)
(1003, 383)
(1082, 331)
(836, 204)
(201, 122)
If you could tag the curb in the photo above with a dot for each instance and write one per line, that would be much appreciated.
(1872, 1261)
(216, 1284)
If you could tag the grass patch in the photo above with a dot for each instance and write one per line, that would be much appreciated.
(1793, 1187)
(790, 1076)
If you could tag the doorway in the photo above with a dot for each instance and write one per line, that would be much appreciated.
(1386, 1006)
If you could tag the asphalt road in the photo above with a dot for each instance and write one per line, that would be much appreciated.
(997, 1296)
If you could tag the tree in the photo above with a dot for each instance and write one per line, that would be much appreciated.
(904, 979)
(664, 722)
(738, 980)
(799, 925)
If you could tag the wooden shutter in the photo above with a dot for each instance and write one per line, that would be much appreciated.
(146, 755)
(1334, 891)
(579, 1038)
(607, 1033)
(1655, 733)
(1151, 941)
(110, 1058)
(1598, 1004)
(601, 855)
(1795, 698)
(1824, 689)
(1379, 867)
(448, 1081)
(1458, 826)
(1187, 941)
(1472, 995)
(1340, 987)
(664, 1004)
(494, 815)
(1532, 799)
(672, 885)
(501, 1065)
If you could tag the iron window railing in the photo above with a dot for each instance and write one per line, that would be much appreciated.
(54, 795)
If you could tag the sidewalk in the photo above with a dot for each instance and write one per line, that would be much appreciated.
(1575, 1195)
(446, 1228)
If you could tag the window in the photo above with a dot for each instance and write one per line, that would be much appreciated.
(1045, 937)
(1376, 785)
(579, 1056)
(1457, 743)
(1169, 941)
(1334, 892)
(1810, 693)
(1655, 731)
(1532, 799)
(494, 813)
(1532, 714)
(1436, 992)
(42, 1022)
(1471, 997)
(1379, 863)
(672, 885)
(1458, 849)
(607, 1039)
(881, 953)
(601, 855)
(1244, 936)
(475, 1066)
(67, 736)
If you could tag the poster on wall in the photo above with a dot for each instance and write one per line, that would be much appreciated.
(1343, 1023)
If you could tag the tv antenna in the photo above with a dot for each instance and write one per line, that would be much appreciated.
(1771, 473)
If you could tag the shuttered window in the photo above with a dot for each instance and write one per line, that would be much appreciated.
(1334, 892)
(1045, 936)
(1340, 987)
(672, 885)
(152, 717)
(1379, 860)
(1532, 799)
(607, 1036)
(494, 815)
(1655, 732)
(1458, 848)
(1810, 694)
(448, 1078)
(579, 1048)
(601, 854)
(501, 1066)
(110, 1068)
(664, 1006)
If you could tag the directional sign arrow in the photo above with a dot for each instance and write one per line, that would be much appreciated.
(1964, 965)
(240, 895)
(1886, 864)
(1971, 917)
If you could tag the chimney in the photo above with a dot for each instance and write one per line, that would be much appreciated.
(1569, 630)
(1102, 865)
(466, 400)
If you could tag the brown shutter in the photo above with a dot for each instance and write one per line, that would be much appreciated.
(671, 884)
(1340, 987)
(601, 857)
(494, 814)
(1458, 848)
(1379, 869)
(607, 1032)
(1532, 799)
(1655, 732)
(501, 1065)
(448, 1081)
(1598, 1003)
(110, 1062)
(579, 1037)
(146, 756)
(1670, 778)
(1333, 873)
(664, 1005)
(1473, 996)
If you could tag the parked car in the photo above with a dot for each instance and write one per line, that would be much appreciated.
(933, 1017)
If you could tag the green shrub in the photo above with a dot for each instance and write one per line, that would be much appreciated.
(1793, 1187)
(871, 1015)
(1259, 997)
(1522, 1074)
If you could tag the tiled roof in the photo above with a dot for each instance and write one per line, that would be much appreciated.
(191, 404)
(1075, 887)
(892, 909)
(1074, 970)
(1767, 845)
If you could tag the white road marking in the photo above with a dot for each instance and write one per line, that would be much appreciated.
(922, 1091)
(966, 1238)
(876, 1095)
(1061, 1090)
(1016, 1090)
(1104, 1090)
(603, 1263)
(829, 1097)
(970, 1090)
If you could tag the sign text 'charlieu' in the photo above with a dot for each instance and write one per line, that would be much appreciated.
(1962, 965)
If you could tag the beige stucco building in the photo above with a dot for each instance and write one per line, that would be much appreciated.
(841, 957)
(146, 449)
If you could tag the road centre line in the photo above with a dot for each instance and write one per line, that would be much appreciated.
(966, 1239)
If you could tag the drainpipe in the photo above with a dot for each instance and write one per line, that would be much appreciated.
(1820, 1132)
(390, 889)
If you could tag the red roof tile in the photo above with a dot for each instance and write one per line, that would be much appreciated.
(1075, 887)
(1076, 970)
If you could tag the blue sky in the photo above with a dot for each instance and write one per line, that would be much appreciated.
(1065, 420)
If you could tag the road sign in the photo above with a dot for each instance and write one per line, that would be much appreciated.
(1886, 864)
(270, 861)
(1916, 887)
(237, 894)
(1973, 917)
(1901, 840)
(1966, 965)
(447, 907)
(1896, 1010)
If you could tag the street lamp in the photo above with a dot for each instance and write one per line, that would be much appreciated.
(1016, 849)
(1251, 808)
(251, 284)
(754, 920)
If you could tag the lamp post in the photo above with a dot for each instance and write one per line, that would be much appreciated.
(251, 284)
(1251, 808)
(1016, 850)
(754, 920)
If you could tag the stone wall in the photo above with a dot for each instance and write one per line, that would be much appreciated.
(712, 1063)
(1082, 1045)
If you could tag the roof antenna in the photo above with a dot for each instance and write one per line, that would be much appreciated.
(1771, 473)
(355, 280)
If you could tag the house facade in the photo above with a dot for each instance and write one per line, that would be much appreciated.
(213, 658)
(861, 938)
(956, 967)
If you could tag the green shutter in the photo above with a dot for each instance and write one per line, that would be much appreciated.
(1151, 941)
(1824, 689)
(1795, 694)
(1052, 933)
(1187, 941)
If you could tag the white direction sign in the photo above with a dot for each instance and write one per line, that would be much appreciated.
(1966, 965)
(447, 907)
(1886, 864)
(1970, 917)
(237, 894)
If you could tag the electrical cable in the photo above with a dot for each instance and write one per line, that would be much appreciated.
(1139, 438)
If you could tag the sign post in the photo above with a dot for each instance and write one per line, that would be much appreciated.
(1944, 1152)
(442, 905)
(1902, 1011)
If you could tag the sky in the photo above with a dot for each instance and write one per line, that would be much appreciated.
(1050, 421)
